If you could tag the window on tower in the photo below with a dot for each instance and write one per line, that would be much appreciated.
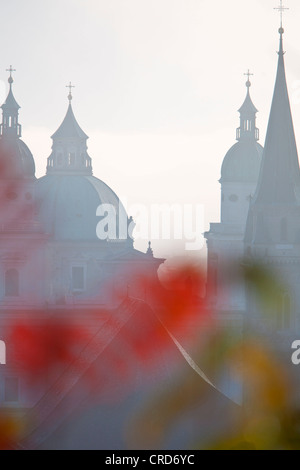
(59, 159)
(214, 280)
(78, 278)
(213, 274)
(284, 312)
(71, 159)
(286, 307)
(12, 283)
(283, 230)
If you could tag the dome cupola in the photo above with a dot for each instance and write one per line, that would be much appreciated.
(242, 162)
(241, 166)
(16, 160)
(69, 150)
(69, 196)
(247, 129)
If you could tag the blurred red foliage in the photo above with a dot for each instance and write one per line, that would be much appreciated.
(44, 345)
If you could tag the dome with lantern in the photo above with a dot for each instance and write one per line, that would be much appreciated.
(69, 195)
(243, 160)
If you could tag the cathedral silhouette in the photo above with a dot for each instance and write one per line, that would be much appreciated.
(259, 211)
(53, 263)
(56, 218)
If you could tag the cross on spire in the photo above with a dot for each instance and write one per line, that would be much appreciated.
(10, 70)
(281, 9)
(248, 74)
(70, 86)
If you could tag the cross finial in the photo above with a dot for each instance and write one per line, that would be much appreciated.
(10, 70)
(70, 86)
(248, 74)
(281, 9)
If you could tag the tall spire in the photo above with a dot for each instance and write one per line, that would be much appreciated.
(280, 176)
(247, 129)
(274, 209)
(69, 151)
(10, 112)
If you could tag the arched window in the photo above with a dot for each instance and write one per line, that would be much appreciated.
(283, 230)
(215, 282)
(12, 283)
(78, 278)
(284, 312)
(59, 159)
(71, 159)
(213, 274)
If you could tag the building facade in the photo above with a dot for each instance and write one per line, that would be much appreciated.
(66, 240)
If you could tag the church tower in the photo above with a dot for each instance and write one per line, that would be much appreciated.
(241, 165)
(273, 227)
(21, 237)
(225, 240)
(69, 151)
(16, 160)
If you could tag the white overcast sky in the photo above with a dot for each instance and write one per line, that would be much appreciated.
(158, 85)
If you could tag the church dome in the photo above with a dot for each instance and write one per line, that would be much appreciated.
(69, 195)
(67, 205)
(16, 160)
(242, 163)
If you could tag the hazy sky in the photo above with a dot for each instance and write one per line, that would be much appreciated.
(158, 85)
